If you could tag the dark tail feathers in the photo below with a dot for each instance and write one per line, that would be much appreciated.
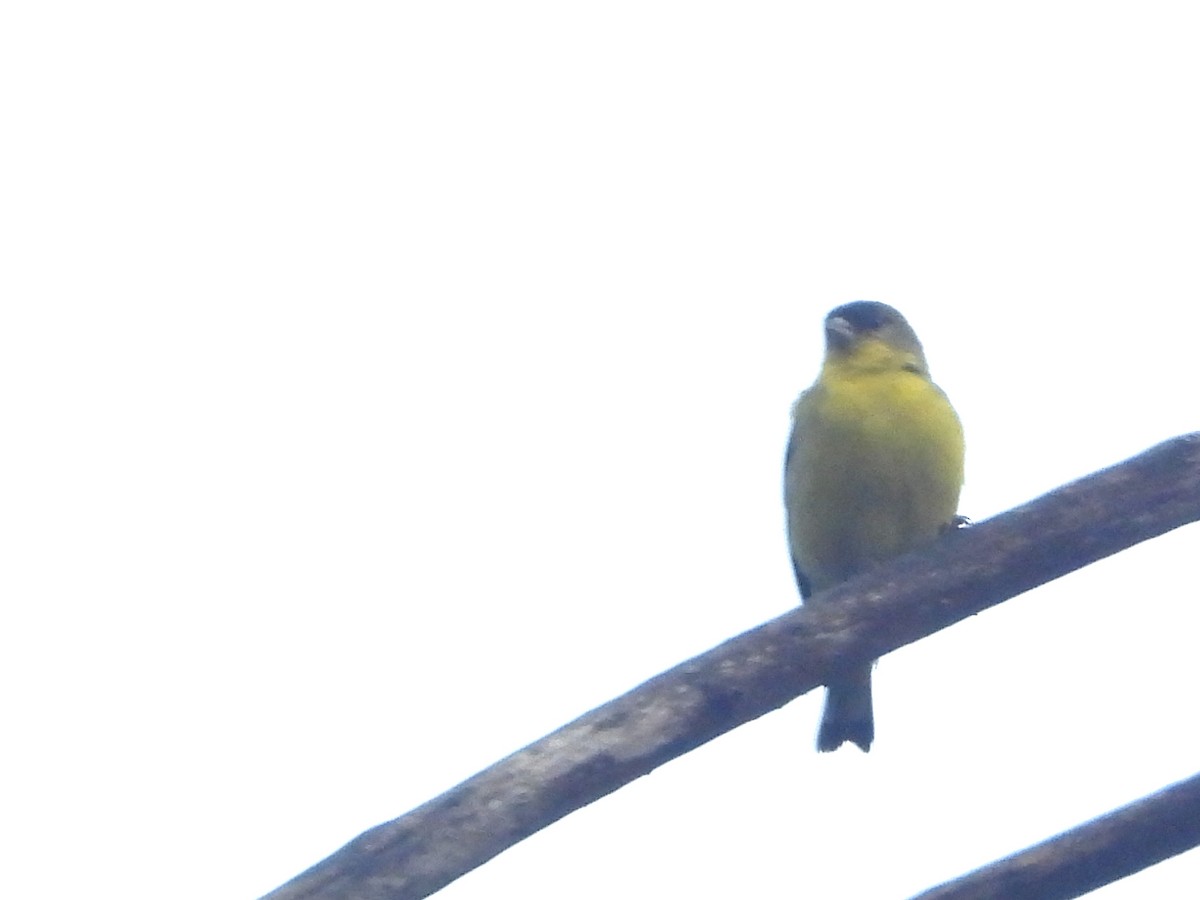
(848, 715)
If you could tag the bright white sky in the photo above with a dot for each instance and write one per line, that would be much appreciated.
(384, 385)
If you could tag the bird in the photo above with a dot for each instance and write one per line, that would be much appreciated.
(873, 470)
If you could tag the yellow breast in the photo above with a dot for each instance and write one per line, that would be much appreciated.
(875, 470)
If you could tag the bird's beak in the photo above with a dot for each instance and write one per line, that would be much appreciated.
(839, 331)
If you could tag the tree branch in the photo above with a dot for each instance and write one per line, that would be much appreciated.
(761, 670)
(1096, 853)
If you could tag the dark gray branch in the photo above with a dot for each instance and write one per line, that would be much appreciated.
(1096, 853)
(761, 670)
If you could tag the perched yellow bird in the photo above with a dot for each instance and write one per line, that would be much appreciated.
(874, 467)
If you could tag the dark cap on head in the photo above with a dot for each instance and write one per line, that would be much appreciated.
(867, 315)
(853, 322)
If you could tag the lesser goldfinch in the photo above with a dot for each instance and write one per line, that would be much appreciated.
(873, 470)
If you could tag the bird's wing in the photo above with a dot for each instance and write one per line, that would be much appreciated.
(802, 580)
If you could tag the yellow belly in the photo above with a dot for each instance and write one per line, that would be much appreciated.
(875, 471)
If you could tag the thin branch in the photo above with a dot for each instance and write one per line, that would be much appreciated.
(759, 671)
(1096, 853)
